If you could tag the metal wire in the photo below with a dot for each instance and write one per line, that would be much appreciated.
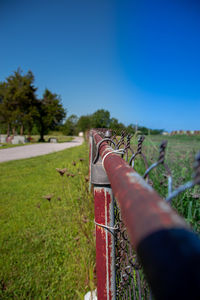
(130, 279)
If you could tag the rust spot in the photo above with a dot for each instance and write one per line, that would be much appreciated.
(134, 177)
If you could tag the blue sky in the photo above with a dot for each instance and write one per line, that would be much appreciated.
(138, 59)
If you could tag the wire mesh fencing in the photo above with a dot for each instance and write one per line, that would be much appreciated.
(130, 281)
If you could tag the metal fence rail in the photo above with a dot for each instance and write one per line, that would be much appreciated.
(139, 237)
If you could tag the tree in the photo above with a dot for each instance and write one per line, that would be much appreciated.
(70, 126)
(84, 123)
(51, 113)
(4, 112)
(156, 131)
(116, 126)
(100, 119)
(143, 130)
(131, 129)
(18, 101)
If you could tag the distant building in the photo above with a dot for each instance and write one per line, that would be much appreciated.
(187, 132)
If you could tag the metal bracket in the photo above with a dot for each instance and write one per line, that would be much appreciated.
(98, 174)
(98, 147)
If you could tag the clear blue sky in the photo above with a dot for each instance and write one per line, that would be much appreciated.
(138, 59)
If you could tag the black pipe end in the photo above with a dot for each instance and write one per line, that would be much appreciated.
(171, 262)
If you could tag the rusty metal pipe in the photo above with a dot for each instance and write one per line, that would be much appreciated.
(143, 210)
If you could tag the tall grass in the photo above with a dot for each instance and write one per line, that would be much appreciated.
(180, 157)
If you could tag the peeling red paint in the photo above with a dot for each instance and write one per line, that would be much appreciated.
(99, 206)
(102, 203)
(109, 245)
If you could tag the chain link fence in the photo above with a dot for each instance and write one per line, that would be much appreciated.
(130, 281)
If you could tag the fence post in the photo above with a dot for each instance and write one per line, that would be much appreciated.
(104, 219)
(90, 157)
(104, 215)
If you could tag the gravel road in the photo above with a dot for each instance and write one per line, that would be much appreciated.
(36, 149)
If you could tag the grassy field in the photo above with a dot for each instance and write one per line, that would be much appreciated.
(180, 155)
(47, 228)
(178, 147)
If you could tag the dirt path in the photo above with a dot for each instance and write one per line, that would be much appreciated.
(36, 149)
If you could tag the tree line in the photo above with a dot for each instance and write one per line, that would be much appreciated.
(21, 111)
(102, 119)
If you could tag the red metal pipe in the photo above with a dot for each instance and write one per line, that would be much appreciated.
(143, 210)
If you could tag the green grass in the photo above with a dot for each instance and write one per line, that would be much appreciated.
(180, 157)
(5, 145)
(60, 138)
(47, 247)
